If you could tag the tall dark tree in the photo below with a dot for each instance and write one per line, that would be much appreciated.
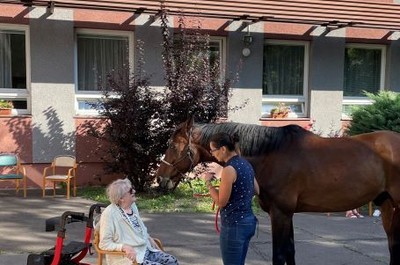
(139, 119)
(195, 84)
(131, 110)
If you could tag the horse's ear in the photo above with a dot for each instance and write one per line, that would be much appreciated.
(189, 123)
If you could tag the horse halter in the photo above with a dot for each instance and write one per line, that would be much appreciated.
(188, 154)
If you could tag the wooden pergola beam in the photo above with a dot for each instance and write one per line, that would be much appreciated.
(363, 14)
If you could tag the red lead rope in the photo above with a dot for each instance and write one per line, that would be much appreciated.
(216, 218)
(198, 195)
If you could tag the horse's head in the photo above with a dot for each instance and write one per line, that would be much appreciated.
(181, 156)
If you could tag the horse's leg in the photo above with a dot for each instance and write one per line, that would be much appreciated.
(391, 224)
(291, 251)
(396, 237)
(282, 237)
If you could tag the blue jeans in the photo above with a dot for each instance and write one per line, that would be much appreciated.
(234, 240)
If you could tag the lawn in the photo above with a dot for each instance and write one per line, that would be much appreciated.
(184, 199)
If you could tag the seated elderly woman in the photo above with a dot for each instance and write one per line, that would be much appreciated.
(122, 229)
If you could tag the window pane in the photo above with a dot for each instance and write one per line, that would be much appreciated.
(215, 52)
(283, 69)
(97, 57)
(362, 71)
(83, 104)
(202, 50)
(12, 59)
(20, 104)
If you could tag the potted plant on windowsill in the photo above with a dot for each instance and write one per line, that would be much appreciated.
(6, 107)
(281, 111)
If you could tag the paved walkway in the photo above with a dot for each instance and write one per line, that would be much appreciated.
(319, 239)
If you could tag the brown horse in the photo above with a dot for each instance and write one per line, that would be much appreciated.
(299, 171)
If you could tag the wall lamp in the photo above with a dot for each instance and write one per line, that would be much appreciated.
(247, 40)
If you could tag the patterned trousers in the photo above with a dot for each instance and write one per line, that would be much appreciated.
(159, 258)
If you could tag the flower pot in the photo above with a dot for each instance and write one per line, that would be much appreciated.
(279, 115)
(5, 112)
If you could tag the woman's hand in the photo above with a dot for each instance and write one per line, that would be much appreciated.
(129, 251)
(208, 176)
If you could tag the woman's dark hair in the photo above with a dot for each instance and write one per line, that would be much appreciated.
(224, 139)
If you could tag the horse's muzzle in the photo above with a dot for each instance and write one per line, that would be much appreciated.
(165, 183)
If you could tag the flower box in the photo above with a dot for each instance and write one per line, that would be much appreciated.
(5, 111)
(6, 107)
(306, 123)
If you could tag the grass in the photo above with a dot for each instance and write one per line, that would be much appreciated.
(181, 200)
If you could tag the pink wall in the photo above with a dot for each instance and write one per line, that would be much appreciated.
(16, 137)
(90, 154)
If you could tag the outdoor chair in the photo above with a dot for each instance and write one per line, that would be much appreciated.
(62, 169)
(101, 252)
(11, 169)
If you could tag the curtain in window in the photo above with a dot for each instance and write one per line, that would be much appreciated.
(97, 57)
(362, 71)
(283, 70)
(5, 61)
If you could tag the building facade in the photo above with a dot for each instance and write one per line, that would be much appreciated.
(315, 56)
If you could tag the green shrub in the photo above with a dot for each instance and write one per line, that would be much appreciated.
(383, 114)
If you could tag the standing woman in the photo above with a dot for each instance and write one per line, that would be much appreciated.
(234, 198)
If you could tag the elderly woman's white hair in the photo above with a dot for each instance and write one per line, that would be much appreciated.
(117, 189)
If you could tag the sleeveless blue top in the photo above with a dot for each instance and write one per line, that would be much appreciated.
(239, 203)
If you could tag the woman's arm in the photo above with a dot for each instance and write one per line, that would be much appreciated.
(221, 196)
(256, 187)
(107, 228)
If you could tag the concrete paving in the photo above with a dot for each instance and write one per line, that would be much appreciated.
(319, 239)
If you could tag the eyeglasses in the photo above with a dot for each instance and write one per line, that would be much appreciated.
(131, 191)
(215, 149)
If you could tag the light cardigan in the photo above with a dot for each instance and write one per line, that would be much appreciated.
(116, 230)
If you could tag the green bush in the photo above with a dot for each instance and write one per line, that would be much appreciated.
(383, 114)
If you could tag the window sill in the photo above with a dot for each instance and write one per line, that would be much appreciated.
(15, 116)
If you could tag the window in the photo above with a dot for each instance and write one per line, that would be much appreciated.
(13, 66)
(364, 70)
(217, 51)
(98, 54)
(214, 54)
(285, 71)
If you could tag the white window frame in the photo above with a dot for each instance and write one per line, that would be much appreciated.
(302, 100)
(94, 96)
(222, 45)
(361, 101)
(20, 93)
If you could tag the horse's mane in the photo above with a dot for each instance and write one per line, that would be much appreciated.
(254, 139)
